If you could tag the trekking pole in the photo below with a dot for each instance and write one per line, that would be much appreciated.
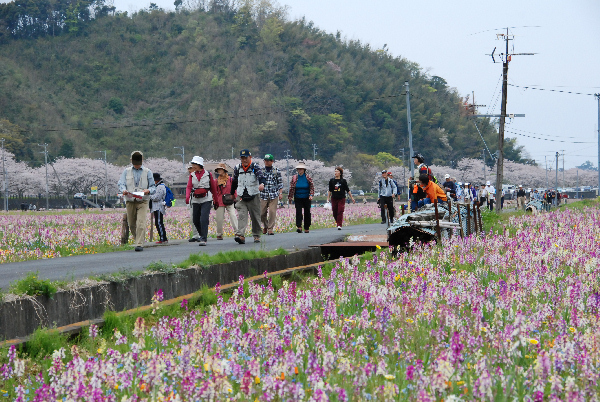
(480, 220)
(475, 204)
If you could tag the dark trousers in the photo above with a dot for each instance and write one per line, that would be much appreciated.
(337, 207)
(389, 201)
(160, 226)
(302, 204)
(200, 217)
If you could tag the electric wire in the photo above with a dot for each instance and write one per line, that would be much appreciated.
(552, 90)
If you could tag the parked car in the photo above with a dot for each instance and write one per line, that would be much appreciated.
(79, 196)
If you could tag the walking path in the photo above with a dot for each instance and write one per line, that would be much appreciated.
(81, 266)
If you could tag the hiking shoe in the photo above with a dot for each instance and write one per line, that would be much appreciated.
(139, 248)
(305, 230)
(271, 233)
(339, 228)
(240, 239)
(265, 231)
(383, 222)
(299, 230)
(202, 243)
(219, 237)
(256, 239)
(193, 239)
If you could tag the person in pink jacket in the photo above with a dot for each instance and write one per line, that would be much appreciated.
(221, 186)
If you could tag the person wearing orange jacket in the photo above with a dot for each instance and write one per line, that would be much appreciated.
(432, 190)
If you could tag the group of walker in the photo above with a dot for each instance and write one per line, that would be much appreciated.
(253, 191)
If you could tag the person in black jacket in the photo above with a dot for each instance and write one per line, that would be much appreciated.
(450, 187)
(338, 187)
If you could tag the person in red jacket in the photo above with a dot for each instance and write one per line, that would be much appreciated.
(219, 187)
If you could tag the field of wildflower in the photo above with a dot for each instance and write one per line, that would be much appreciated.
(511, 316)
(35, 235)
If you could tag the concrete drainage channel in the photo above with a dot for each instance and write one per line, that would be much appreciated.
(70, 311)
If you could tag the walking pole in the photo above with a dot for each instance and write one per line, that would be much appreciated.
(437, 221)
(462, 233)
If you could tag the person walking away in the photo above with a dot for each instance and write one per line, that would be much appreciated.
(271, 195)
(521, 197)
(248, 180)
(502, 194)
(159, 208)
(483, 196)
(433, 191)
(302, 191)
(198, 194)
(450, 187)
(137, 185)
(223, 201)
(195, 235)
(387, 191)
(338, 187)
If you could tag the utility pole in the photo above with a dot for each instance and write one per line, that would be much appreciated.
(404, 171)
(506, 58)
(5, 178)
(232, 152)
(577, 183)
(484, 170)
(105, 176)
(182, 154)
(410, 144)
(556, 181)
(45, 152)
(314, 152)
(287, 166)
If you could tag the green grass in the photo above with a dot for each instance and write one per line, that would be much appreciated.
(205, 260)
(31, 285)
(592, 202)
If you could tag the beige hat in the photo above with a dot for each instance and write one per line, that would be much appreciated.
(222, 166)
(301, 165)
(137, 156)
(189, 166)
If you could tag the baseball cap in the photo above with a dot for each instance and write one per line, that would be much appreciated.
(245, 152)
(447, 176)
(269, 157)
(137, 156)
(384, 171)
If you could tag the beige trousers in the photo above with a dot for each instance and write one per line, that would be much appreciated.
(137, 218)
(521, 202)
(220, 218)
(268, 213)
(244, 209)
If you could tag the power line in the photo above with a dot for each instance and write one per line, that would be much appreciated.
(548, 139)
(551, 90)
(543, 135)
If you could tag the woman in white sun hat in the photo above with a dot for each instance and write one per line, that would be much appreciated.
(302, 191)
(198, 194)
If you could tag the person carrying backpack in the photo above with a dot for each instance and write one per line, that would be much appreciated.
(422, 168)
(198, 194)
(159, 205)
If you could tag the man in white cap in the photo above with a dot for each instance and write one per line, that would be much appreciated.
(450, 187)
(521, 197)
(137, 184)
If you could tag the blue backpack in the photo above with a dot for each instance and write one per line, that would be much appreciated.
(169, 197)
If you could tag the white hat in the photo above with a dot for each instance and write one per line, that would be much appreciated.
(197, 160)
(466, 184)
(459, 183)
(447, 176)
(301, 165)
(520, 185)
(487, 183)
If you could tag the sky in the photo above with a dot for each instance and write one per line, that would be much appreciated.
(450, 39)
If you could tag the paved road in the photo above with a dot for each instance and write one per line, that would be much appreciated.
(81, 266)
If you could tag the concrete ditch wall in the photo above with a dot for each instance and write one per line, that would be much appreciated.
(22, 317)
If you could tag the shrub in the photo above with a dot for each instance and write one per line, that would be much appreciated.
(43, 342)
(33, 286)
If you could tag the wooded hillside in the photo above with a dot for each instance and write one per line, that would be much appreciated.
(212, 78)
